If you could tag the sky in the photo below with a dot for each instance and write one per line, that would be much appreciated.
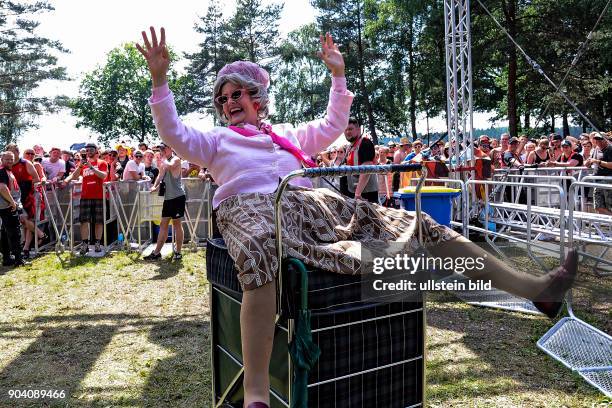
(90, 29)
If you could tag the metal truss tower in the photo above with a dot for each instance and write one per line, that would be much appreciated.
(457, 39)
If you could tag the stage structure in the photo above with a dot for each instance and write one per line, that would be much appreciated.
(457, 39)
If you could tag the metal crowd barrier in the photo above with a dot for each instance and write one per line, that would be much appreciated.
(592, 227)
(497, 213)
(129, 205)
(575, 343)
(53, 206)
(125, 209)
(196, 209)
(543, 175)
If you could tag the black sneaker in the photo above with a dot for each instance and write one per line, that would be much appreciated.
(21, 262)
(98, 248)
(177, 256)
(152, 257)
(84, 249)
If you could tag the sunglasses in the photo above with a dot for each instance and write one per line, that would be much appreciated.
(138, 157)
(237, 94)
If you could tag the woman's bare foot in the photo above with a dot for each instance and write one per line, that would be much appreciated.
(550, 301)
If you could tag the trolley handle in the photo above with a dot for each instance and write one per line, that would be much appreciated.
(348, 170)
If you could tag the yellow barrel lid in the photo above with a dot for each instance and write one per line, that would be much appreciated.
(430, 189)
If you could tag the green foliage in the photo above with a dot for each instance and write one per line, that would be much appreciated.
(395, 64)
(302, 82)
(346, 20)
(211, 56)
(113, 98)
(26, 60)
(250, 34)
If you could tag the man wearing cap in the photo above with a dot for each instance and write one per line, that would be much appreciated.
(602, 159)
(511, 157)
(135, 169)
(568, 158)
(174, 203)
(484, 147)
(54, 166)
(94, 171)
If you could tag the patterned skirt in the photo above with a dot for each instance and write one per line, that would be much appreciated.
(321, 228)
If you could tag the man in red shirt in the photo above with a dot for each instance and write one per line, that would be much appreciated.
(94, 171)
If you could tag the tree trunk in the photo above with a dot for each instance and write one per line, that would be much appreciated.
(552, 122)
(411, 84)
(362, 84)
(527, 118)
(566, 129)
(510, 13)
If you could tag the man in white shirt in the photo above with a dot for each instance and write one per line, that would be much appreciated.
(54, 166)
(135, 169)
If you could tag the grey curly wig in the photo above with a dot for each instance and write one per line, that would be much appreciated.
(257, 91)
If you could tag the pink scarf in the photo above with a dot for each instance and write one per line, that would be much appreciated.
(279, 140)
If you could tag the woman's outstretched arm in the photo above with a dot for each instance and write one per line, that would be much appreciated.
(319, 134)
(190, 144)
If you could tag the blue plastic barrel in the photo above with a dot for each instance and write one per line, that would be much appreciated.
(435, 201)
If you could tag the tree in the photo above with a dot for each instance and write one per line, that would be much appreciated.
(113, 98)
(212, 55)
(26, 61)
(253, 30)
(346, 21)
(302, 82)
(250, 34)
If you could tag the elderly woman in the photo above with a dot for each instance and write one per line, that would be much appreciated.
(321, 228)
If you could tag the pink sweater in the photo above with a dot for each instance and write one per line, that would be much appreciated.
(254, 164)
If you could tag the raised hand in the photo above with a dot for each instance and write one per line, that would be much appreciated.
(331, 56)
(157, 56)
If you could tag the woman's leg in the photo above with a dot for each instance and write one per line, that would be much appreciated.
(546, 287)
(257, 327)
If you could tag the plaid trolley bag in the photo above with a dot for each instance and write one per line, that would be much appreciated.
(372, 353)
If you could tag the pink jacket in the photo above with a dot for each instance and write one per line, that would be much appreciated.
(254, 164)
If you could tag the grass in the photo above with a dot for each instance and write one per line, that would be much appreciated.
(111, 331)
(119, 332)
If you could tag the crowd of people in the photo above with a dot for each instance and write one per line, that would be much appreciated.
(22, 174)
(589, 149)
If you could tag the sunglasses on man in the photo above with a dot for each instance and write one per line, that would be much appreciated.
(237, 94)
